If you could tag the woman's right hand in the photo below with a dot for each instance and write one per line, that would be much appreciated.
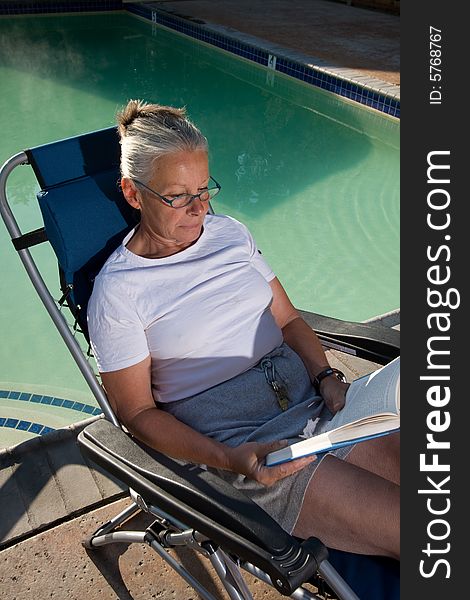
(249, 459)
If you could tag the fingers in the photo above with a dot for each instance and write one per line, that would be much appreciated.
(272, 474)
(267, 447)
(269, 475)
(248, 459)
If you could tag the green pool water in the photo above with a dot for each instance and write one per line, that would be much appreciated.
(315, 177)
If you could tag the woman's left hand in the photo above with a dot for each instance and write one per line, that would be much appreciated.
(249, 459)
(333, 392)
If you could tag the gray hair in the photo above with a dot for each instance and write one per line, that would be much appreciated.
(148, 131)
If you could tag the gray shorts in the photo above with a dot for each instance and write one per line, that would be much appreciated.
(246, 409)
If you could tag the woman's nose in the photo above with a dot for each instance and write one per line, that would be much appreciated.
(197, 206)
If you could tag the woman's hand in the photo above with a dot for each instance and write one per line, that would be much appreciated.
(248, 459)
(333, 392)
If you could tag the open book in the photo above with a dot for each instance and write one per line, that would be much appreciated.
(372, 409)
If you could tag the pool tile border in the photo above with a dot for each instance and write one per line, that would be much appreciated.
(27, 426)
(25, 8)
(82, 407)
(345, 82)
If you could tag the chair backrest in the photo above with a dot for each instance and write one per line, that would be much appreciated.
(85, 214)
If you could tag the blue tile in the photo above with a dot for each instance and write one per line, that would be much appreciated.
(36, 428)
(24, 396)
(67, 404)
(97, 411)
(47, 430)
(46, 400)
(24, 425)
(31, 7)
(88, 409)
(14, 395)
(36, 398)
(78, 406)
(11, 423)
(57, 402)
(4, 393)
(2, 421)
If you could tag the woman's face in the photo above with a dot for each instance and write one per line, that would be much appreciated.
(184, 172)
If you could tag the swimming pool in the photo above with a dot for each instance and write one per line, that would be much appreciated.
(313, 176)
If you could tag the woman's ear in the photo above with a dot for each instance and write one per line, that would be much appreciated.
(130, 192)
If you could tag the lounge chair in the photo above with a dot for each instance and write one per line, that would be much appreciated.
(85, 218)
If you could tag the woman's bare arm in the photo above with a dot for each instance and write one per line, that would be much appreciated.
(129, 392)
(303, 340)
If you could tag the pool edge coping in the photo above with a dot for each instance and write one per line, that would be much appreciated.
(303, 64)
(59, 434)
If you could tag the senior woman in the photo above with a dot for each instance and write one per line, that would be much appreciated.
(204, 358)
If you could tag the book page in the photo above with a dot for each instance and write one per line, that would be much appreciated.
(372, 408)
(377, 392)
(324, 441)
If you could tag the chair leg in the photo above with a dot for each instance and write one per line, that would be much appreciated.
(299, 594)
(167, 533)
(229, 574)
(178, 568)
(90, 542)
(336, 582)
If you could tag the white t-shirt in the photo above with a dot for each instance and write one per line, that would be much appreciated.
(202, 314)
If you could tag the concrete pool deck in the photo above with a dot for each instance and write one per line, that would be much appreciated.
(328, 33)
(51, 497)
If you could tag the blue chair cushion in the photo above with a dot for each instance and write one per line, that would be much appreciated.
(85, 214)
(371, 577)
(80, 217)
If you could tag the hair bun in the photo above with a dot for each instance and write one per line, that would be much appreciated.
(128, 115)
(136, 109)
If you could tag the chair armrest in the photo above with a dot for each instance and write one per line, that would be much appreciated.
(203, 501)
(373, 342)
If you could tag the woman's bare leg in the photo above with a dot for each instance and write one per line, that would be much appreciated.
(380, 456)
(350, 508)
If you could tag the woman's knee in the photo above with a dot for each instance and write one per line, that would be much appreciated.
(351, 509)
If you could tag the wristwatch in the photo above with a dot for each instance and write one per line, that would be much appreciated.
(326, 373)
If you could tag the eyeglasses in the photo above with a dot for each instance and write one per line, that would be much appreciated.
(183, 200)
